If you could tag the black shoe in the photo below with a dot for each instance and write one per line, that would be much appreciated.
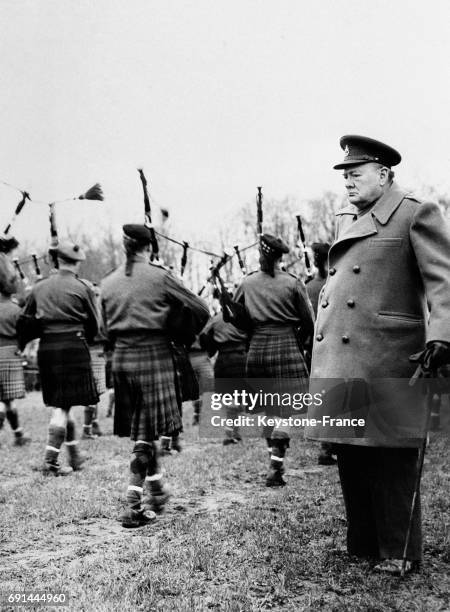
(228, 441)
(137, 518)
(275, 478)
(326, 459)
(54, 469)
(22, 440)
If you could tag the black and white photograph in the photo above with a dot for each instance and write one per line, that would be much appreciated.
(225, 306)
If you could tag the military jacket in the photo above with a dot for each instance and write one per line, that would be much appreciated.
(9, 313)
(65, 303)
(281, 299)
(143, 301)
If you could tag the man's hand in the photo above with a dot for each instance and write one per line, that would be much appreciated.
(436, 354)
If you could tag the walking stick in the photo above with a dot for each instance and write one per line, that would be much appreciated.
(419, 372)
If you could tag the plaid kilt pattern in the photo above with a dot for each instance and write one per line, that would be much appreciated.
(274, 353)
(98, 364)
(12, 382)
(65, 369)
(203, 369)
(147, 405)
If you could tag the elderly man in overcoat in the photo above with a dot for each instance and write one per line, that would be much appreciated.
(387, 297)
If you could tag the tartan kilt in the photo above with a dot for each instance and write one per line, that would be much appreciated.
(275, 353)
(98, 364)
(12, 381)
(147, 405)
(65, 369)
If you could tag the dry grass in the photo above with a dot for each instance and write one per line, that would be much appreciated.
(225, 543)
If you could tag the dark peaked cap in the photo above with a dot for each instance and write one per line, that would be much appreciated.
(135, 231)
(272, 246)
(362, 150)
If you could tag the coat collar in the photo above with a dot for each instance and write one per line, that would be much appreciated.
(383, 208)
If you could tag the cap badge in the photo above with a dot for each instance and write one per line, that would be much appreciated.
(346, 151)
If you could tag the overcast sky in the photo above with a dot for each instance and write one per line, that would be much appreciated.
(212, 99)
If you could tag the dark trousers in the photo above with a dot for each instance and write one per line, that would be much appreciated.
(377, 485)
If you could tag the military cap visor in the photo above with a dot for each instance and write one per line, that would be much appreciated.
(270, 245)
(135, 231)
(70, 252)
(362, 150)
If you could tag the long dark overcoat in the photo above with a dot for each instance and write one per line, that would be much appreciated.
(387, 294)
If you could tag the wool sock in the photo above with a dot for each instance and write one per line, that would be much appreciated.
(138, 469)
(56, 436)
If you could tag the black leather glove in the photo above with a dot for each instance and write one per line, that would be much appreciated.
(436, 354)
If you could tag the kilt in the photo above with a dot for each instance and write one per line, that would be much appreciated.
(274, 353)
(98, 369)
(65, 369)
(12, 381)
(147, 405)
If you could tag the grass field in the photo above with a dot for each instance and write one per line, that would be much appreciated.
(225, 542)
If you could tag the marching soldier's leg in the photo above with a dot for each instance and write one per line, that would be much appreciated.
(111, 402)
(56, 435)
(96, 431)
(279, 444)
(137, 515)
(166, 443)
(88, 418)
(156, 494)
(13, 418)
(76, 459)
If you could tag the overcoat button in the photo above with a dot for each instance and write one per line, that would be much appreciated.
(324, 304)
(356, 269)
(319, 337)
(332, 271)
(350, 303)
(345, 339)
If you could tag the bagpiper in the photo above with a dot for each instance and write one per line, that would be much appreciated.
(12, 383)
(229, 344)
(137, 299)
(281, 320)
(65, 306)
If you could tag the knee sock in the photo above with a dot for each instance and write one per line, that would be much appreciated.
(138, 469)
(279, 446)
(13, 418)
(88, 417)
(71, 439)
(153, 480)
(56, 436)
